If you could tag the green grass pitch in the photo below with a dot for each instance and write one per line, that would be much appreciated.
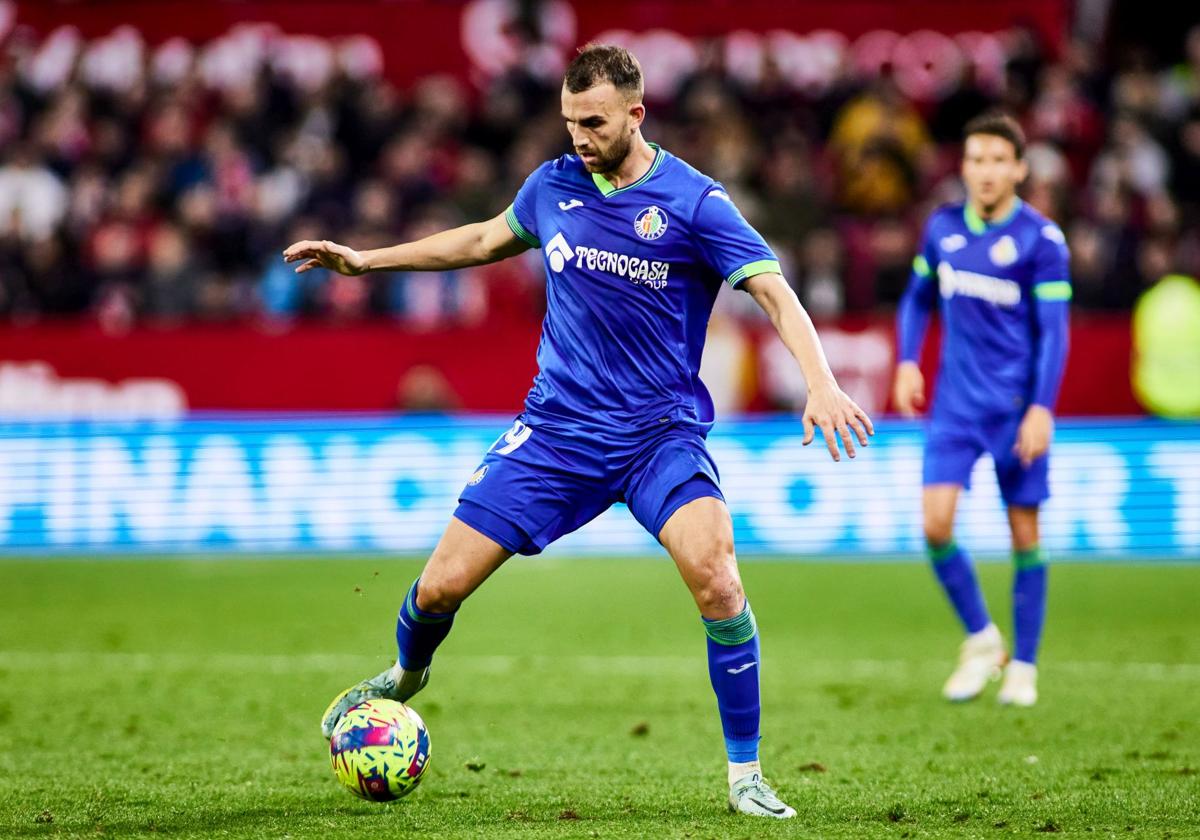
(181, 697)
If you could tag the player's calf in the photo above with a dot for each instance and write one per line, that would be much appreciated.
(418, 634)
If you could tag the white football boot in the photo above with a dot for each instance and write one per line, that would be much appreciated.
(980, 659)
(1020, 685)
(395, 684)
(751, 795)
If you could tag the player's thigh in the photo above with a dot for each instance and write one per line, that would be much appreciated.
(463, 559)
(664, 474)
(1021, 485)
(939, 502)
(699, 537)
(951, 450)
(533, 487)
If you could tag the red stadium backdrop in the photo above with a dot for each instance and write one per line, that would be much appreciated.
(477, 39)
(490, 368)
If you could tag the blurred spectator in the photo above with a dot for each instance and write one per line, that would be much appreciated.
(1132, 160)
(434, 299)
(1180, 85)
(880, 146)
(424, 390)
(174, 275)
(33, 200)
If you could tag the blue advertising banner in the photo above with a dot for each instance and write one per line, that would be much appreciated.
(324, 483)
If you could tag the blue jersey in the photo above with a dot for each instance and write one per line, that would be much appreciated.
(631, 277)
(1002, 289)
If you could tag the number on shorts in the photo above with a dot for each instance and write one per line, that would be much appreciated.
(513, 438)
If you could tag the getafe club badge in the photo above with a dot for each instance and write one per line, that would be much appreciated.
(1004, 251)
(953, 242)
(651, 223)
(478, 476)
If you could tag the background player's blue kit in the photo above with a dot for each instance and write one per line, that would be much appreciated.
(617, 412)
(1003, 289)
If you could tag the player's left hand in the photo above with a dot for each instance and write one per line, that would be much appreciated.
(835, 414)
(1034, 433)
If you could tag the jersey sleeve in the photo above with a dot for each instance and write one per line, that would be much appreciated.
(1051, 265)
(731, 247)
(521, 215)
(916, 305)
(1052, 294)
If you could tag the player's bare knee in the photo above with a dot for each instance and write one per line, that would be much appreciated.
(440, 593)
(718, 589)
(939, 531)
(723, 598)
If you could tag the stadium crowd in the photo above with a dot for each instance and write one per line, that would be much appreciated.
(155, 196)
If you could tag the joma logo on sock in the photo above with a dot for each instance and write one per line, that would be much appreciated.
(740, 668)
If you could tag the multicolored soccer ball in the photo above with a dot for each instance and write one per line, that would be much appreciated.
(380, 750)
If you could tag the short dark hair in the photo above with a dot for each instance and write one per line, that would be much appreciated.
(998, 124)
(599, 63)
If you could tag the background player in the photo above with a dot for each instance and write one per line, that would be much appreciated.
(1000, 270)
(636, 244)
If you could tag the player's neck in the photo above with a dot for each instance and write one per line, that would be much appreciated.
(636, 164)
(998, 212)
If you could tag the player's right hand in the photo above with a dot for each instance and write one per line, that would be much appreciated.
(325, 254)
(908, 392)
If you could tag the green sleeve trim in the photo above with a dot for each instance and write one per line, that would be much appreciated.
(921, 266)
(732, 631)
(1052, 290)
(518, 229)
(751, 269)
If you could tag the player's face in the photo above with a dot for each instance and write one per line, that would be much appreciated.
(990, 170)
(602, 123)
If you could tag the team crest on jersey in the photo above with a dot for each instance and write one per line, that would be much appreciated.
(1003, 251)
(478, 476)
(953, 242)
(651, 223)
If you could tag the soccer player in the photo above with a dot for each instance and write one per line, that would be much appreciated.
(998, 272)
(636, 246)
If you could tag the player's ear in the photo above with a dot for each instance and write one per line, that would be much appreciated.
(1022, 171)
(637, 113)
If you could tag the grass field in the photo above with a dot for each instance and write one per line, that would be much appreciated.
(181, 697)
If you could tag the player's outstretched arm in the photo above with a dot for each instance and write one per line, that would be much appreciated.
(828, 406)
(474, 244)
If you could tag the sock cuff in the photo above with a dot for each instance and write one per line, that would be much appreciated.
(1030, 558)
(410, 609)
(941, 553)
(732, 631)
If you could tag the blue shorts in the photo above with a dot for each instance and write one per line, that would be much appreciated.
(535, 486)
(953, 447)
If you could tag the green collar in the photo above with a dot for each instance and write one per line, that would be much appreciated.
(978, 226)
(607, 189)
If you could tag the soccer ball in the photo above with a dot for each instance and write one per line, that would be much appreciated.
(380, 750)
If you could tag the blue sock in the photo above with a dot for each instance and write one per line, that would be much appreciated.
(418, 633)
(733, 665)
(953, 569)
(1029, 603)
